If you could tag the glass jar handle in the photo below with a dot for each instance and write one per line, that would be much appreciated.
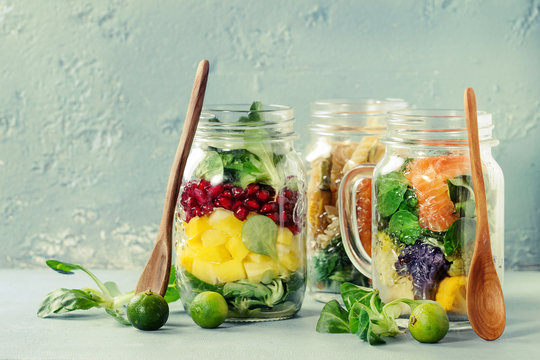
(348, 218)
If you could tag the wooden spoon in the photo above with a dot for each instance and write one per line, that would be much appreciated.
(485, 300)
(155, 275)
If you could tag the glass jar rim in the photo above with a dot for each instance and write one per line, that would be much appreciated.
(435, 128)
(222, 123)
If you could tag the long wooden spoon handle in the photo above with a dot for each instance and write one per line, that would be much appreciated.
(155, 275)
(476, 166)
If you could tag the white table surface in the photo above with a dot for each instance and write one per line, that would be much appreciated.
(93, 335)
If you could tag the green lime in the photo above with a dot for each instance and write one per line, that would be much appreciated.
(147, 311)
(208, 309)
(428, 322)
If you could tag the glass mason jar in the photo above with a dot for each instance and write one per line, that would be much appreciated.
(344, 134)
(424, 219)
(240, 224)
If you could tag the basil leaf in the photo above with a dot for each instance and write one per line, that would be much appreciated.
(404, 226)
(64, 300)
(259, 234)
(390, 190)
(459, 234)
(172, 294)
(334, 319)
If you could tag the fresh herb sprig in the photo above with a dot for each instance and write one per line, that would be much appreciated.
(365, 315)
(108, 297)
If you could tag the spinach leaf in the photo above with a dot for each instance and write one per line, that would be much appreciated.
(461, 232)
(404, 226)
(410, 202)
(334, 319)
(64, 300)
(259, 234)
(462, 195)
(390, 190)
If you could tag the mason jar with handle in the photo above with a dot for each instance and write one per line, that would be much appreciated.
(424, 220)
(344, 134)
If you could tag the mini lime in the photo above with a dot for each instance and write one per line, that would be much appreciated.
(208, 309)
(147, 310)
(428, 322)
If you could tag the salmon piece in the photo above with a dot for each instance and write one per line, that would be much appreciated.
(363, 213)
(428, 177)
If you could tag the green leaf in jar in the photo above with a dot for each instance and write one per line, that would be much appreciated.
(390, 190)
(459, 234)
(404, 226)
(259, 235)
(210, 167)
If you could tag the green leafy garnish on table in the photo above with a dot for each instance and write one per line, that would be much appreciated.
(107, 296)
(365, 315)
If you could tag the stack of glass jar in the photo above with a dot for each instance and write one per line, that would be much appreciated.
(345, 133)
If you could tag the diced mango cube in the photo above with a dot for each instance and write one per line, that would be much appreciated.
(214, 238)
(284, 236)
(290, 261)
(224, 220)
(195, 245)
(231, 270)
(196, 227)
(204, 270)
(237, 248)
(255, 271)
(282, 250)
(214, 254)
(259, 258)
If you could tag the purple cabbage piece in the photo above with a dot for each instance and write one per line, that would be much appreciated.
(426, 265)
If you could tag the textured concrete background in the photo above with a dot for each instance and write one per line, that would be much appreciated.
(93, 96)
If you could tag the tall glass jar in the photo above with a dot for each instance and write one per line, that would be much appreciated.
(424, 220)
(344, 134)
(240, 224)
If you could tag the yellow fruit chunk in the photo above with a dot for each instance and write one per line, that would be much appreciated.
(204, 270)
(237, 248)
(196, 227)
(284, 236)
(185, 258)
(290, 261)
(224, 220)
(231, 270)
(259, 258)
(214, 254)
(256, 270)
(451, 294)
(214, 238)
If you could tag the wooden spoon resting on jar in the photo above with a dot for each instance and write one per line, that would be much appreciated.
(155, 275)
(485, 300)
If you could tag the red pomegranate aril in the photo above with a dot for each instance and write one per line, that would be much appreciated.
(241, 213)
(237, 204)
(197, 212)
(252, 204)
(252, 189)
(236, 191)
(283, 217)
(214, 191)
(288, 207)
(188, 217)
(200, 196)
(228, 186)
(207, 208)
(281, 200)
(269, 207)
(227, 194)
(225, 202)
(295, 229)
(288, 193)
(203, 184)
(273, 216)
(263, 195)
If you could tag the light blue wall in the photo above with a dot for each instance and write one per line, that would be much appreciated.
(93, 96)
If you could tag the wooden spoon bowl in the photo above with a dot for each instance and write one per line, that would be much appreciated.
(485, 300)
(155, 275)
